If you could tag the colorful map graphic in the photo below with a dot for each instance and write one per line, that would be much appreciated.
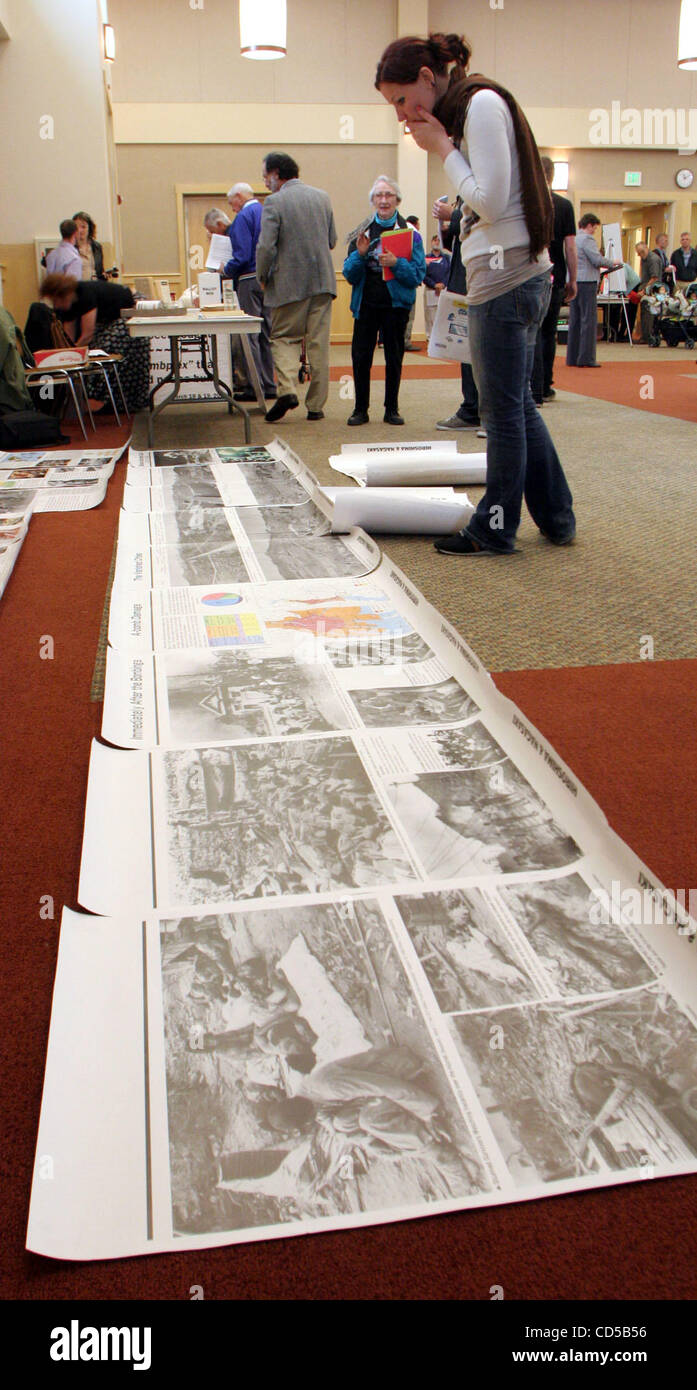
(341, 617)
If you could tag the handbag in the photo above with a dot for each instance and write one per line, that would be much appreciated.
(450, 338)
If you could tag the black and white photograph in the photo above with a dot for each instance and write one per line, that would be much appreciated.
(580, 955)
(467, 958)
(292, 522)
(485, 821)
(270, 481)
(592, 1088)
(301, 1078)
(305, 556)
(201, 548)
(273, 819)
(183, 488)
(392, 706)
(468, 748)
(182, 458)
(235, 695)
(245, 453)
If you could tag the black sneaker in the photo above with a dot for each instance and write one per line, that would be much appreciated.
(359, 417)
(392, 417)
(463, 544)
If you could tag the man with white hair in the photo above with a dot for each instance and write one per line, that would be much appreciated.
(217, 223)
(241, 268)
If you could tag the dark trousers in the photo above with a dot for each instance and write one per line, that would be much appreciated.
(469, 410)
(583, 326)
(546, 346)
(250, 295)
(390, 323)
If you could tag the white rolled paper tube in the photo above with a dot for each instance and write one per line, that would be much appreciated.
(454, 470)
(398, 515)
(406, 446)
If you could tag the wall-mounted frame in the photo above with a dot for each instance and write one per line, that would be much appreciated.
(42, 245)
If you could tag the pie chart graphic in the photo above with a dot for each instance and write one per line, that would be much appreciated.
(220, 600)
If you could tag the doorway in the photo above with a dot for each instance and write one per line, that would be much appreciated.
(194, 201)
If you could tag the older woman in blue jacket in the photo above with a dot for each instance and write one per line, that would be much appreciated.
(380, 306)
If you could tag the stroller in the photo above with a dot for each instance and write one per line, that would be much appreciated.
(671, 319)
(678, 324)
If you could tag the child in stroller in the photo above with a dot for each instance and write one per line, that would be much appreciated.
(674, 317)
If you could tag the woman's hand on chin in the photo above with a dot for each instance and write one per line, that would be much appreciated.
(430, 135)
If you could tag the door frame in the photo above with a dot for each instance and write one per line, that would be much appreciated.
(184, 190)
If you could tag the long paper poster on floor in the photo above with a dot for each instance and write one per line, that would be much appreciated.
(249, 475)
(11, 538)
(70, 481)
(217, 546)
(291, 1066)
(37, 465)
(276, 665)
(350, 972)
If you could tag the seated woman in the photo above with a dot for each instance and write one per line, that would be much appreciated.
(379, 305)
(91, 313)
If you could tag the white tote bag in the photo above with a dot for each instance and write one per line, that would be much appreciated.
(450, 333)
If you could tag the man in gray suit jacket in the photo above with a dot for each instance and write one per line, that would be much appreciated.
(295, 270)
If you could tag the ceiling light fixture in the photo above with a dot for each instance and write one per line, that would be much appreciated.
(263, 29)
(687, 36)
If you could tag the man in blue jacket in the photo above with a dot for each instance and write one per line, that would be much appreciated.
(379, 305)
(242, 270)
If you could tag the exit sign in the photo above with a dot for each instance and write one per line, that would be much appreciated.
(632, 179)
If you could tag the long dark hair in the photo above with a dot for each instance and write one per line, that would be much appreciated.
(451, 110)
(91, 224)
(403, 59)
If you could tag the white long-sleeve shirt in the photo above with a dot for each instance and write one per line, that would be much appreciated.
(486, 173)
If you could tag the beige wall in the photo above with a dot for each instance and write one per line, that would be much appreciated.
(148, 175)
(169, 52)
(575, 55)
(51, 66)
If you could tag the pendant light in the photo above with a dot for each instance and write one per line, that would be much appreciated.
(687, 36)
(263, 29)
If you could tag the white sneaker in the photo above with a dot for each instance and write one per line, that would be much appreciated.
(481, 434)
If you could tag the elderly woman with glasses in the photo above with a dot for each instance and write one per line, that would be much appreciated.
(380, 306)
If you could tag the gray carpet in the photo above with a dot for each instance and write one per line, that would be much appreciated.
(630, 574)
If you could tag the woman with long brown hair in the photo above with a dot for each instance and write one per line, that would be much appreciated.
(490, 156)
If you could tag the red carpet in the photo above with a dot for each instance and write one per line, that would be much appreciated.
(619, 382)
(623, 729)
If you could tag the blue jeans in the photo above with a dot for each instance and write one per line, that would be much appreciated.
(520, 458)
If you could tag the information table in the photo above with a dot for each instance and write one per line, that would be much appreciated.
(199, 324)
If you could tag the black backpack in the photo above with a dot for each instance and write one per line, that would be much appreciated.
(30, 429)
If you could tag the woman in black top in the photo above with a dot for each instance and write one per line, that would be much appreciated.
(91, 313)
